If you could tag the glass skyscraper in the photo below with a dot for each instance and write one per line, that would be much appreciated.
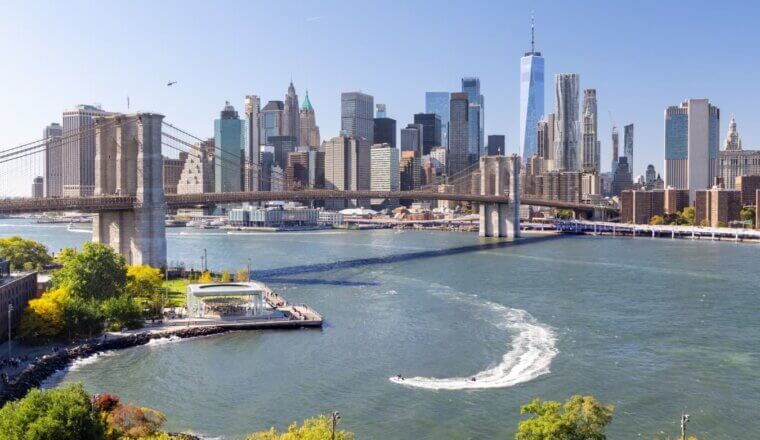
(531, 97)
(438, 103)
(471, 86)
(228, 140)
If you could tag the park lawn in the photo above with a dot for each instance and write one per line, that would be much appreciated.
(177, 290)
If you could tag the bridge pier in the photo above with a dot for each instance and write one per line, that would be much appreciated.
(129, 163)
(500, 175)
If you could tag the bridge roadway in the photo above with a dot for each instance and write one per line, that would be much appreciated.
(173, 201)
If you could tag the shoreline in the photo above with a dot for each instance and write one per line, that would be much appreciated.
(36, 373)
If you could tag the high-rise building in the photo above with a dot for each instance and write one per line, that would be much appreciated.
(253, 142)
(228, 143)
(412, 137)
(53, 160)
(282, 145)
(198, 172)
(590, 145)
(650, 176)
(410, 170)
(457, 159)
(496, 144)
(385, 131)
(291, 118)
(308, 123)
(78, 169)
(476, 116)
(676, 200)
(38, 189)
(271, 121)
(545, 141)
(691, 144)
(628, 144)
(639, 206)
(566, 122)
(622, 179)
(431, 130)
(438, 103)
(385, 173)
(173, 172)
(305, 169)
(356, 111)
(347, 168)
(733, 161)
(748, 185)
(615, 148)
(531, 96)
(717, 207)
(380, 113)
(438, 159)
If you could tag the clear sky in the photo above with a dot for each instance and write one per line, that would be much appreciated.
(641, 56)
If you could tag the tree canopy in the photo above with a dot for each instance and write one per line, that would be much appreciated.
(316, 428)
(24, 254)
(97, 272)
(580, 418)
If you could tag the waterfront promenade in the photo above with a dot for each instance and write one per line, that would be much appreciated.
(655, 231)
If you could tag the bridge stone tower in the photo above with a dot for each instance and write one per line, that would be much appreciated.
(500, 176)
(128, 162)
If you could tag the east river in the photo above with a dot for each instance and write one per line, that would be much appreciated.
(654, 326)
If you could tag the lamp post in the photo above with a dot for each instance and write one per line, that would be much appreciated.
(335, 416)
(684, 421)
(10, 310)
(249, 270)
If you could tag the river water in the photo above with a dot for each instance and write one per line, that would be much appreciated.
(654, 326)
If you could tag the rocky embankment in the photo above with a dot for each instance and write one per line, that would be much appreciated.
(34, 374)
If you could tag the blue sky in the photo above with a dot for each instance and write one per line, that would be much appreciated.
(641, 56)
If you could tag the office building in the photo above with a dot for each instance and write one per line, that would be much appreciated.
(347, 168)
(650, 176)
(431, 130)
(385, 131)
(590, 145)
(305, 169)
(356, 116)
(412, 137)
(748, 186)
(282, 145)
(253, 142)
(438, 103)
(615, 148)
(78, 158)
(566, 122)
(291, 117)
(622, 179)
(531, 97)
(53, 160)
(308, 124)
(496, 144)
(271, 121)
(438, 159)
(410, 171)
(380, 111)
(384, 175)
(476, 117)
(173, 172)
(733, 161)
(457, 159)
(38, 188)
(717, 207)
(197, 175)
(267, 167)
(639, 206)
(228, 144)
(628, 145)
(691, 144)
(545, 141)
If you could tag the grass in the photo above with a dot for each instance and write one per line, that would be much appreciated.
(177, 290)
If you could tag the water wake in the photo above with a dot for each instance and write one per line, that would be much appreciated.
(163, 341)
(531, 352)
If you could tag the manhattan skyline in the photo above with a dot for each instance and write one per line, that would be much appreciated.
(209, 51)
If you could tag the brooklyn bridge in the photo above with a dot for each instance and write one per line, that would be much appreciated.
(130, 205)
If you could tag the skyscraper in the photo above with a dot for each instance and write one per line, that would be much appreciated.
(496, 144)
(308, 124)
(438, 103)
(431, 130)
(628, 145)
(545, 141)
(291, 119)
(228, 146)
(385, 131)
(476, 117)
(615, 148)
(253, 140)
(347, 168)
(271, 121)
(590, 145)
(734, 162)
(37, 187)
(531, 96)
(412, 137)
(78, 169)
(380, 111)
(385, 173)
(691, 145)
(457, 157)
(733, 141)
(53, 160)
(566, 122)
(356, 111)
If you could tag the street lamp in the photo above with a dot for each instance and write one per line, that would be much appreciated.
(335, 416)
(684, 421)
(249, 270)
(10, 310)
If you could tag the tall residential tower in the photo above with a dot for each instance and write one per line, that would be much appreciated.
(590, 145)
(566, 122)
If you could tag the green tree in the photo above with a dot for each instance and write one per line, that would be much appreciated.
(688, 216)
(83, 318)
(145, 282)
(580, 418)
(317, 428)
(656, 220)
(24, 254)
(122, 311)
(748, 215)
(60, 413)
(65, 255)
(97, 272)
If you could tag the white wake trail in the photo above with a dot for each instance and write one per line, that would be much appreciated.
(531, 352)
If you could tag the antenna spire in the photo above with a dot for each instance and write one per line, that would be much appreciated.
(532, 33)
